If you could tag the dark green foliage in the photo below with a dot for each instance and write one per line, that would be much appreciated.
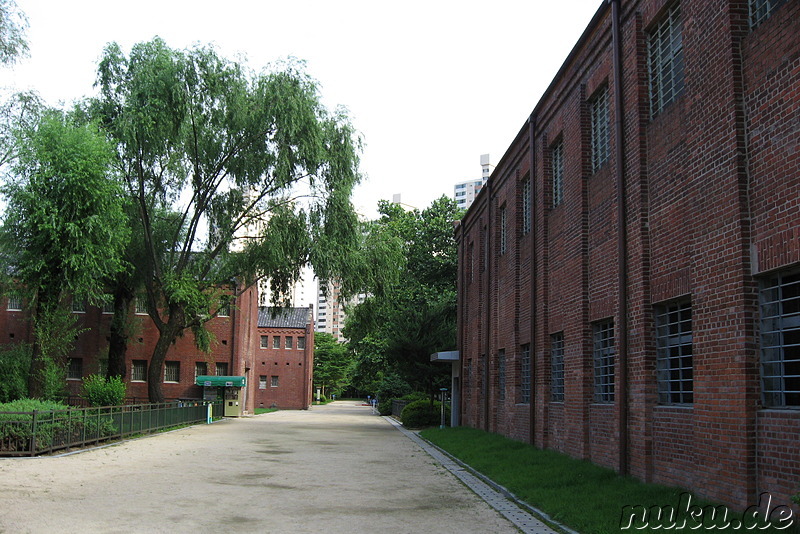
(390, 387)
(15, 364)
(422, 414)
(333, 364)
(411, 310)
(101, 391)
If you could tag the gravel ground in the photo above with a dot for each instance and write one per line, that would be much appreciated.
(334, 468)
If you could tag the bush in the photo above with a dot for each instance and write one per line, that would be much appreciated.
(15, 364)
(390, 387)
(57, 424)
(99, 391)
(420, 414)
(322, 399)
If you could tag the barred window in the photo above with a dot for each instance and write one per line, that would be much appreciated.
(78, 305)
(780, 340)
(665, 51)
(557, 163)
(172, 371)
(525, 374)
(262, 382)
(301, 343)
(200, 369)
(557, 367)
(468, 378)
(222, 368)
(501, 374)
(760, 10)
(503, 224)
(139, 370)
(274, 381)
(674, 365)
(598, 111)
(526, 205)
(603, 356)
(14, 302)
(141, 305)
(289, 342)
(264, 342)
(276, 342)
(75, 369)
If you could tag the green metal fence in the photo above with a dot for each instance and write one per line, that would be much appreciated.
(42, 432)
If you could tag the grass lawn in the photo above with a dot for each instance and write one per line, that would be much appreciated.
(584, 496)
(265, 410)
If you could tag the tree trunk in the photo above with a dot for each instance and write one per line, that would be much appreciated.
(118, 335)
(167, 336)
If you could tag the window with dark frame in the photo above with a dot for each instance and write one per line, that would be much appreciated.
(603, 355)
(289, 342)
(14, 302)
(525, 374)
(665, 60)
(172, 371)
(557, 367)
(301, 343)
(200, 369)
(276, 342)
(526, 205)
(139, 371)
(674, 362)
(274, 381)
(557, 169)
(141, 305)
(761, 10)
(262, 382)
(222, 368)
(779, 303)
(78, 305)
(598, 113)
(264, 342)
(503, 230)
(75, 369)
(501, 374)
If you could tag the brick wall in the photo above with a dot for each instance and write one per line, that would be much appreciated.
(712, 201)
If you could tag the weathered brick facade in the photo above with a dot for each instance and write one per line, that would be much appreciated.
(709, 171)
(235, 352)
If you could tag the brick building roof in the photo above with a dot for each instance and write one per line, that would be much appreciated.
(271, 317)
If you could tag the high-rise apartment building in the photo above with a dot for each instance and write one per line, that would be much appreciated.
(331, 309)
(464, 193)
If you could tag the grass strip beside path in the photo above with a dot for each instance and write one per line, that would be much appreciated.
(581, 495)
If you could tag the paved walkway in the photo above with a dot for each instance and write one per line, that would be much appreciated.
(334, 468)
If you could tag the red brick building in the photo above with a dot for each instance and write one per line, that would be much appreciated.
(629, 287)
(236, 351)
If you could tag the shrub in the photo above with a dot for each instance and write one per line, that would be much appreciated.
(322, 399)
(99, 391)
(421, 414)
(15, 364)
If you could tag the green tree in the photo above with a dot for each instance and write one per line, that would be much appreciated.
(332, 363)
(62, 232)
(406, 319)
(231, 153)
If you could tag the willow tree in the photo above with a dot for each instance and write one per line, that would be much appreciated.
(227, 153)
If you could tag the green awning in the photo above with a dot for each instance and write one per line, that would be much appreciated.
(211, 380)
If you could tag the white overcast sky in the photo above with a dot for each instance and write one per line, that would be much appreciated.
(431, 85)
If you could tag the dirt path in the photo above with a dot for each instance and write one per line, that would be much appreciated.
(334, 468)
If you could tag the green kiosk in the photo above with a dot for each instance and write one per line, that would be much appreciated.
(225, 388)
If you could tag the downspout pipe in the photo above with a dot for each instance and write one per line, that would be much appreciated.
(534, 271)
(489, 297)
(622, 239)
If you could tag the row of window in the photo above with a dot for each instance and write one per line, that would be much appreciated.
(14, 303)
(172, 370)
(288, 342)
(779, 303)
(262, 381)
(666, 79)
